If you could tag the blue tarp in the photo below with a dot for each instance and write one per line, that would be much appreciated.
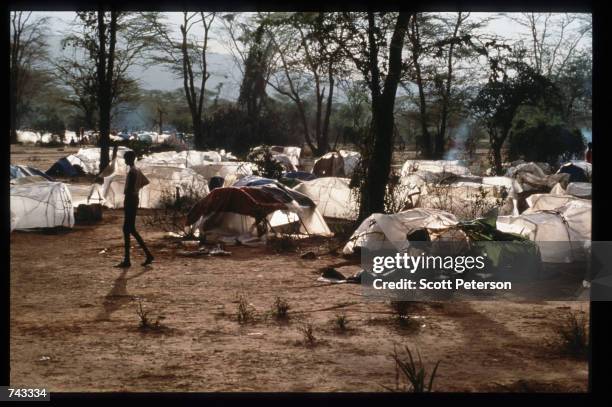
(63, 168)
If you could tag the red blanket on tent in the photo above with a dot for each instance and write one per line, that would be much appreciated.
(249, 201)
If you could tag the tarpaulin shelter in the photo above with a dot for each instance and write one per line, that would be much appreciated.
(20, 171)
(329, 165)
(40, 205)
(394, 228)
(238, 211)
(577, 173)
(563, 234)
(435, 166)
(332, 195)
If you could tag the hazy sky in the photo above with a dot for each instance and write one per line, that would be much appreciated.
(222, 66)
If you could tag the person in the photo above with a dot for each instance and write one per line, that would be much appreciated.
(135, 180)
(589, 153)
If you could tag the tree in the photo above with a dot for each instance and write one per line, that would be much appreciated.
(27, 49)
(111, 43)
(361, 37)
(186, 57)
(512, 84)
(308, 61)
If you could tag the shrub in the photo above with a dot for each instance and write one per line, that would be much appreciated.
(267, 165)
(280, 309)
(341, 322)
(543, 142)
(573, 334)
(245, 311)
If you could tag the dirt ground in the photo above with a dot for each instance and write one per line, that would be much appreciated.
(75, 328)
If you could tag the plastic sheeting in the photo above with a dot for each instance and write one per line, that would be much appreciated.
(394, 228)
(164, 183)
(41, 205)
(332, 195)
(434, 166)
(562, 234)
(89, 158)
(183, 159)
(230, 171)
(292, 153)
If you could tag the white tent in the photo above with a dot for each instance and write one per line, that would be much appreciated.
(164, 183)
(89, 158)
(229, 170)
(293, 153)
(184, 159)
(332, 195)
(577, 189)
(562, 234)
(34, 137)
(41, 205)
(351, 159)
(435, 166)
(394, 228)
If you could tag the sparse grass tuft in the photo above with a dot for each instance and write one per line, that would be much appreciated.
(401, 309)
(341, 322)
(146, 323)
(245, 311)
(573, 334)
(413, 372)
(280, 309)
(307, 330)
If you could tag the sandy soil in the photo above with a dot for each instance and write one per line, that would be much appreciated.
(74, 324)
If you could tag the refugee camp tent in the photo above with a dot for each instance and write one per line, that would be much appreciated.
(20, 171)
(86, 160)
(550, 201)
(394, 228)
(329, 165)
(184, 159)
(577, 189)
(435, 166)
(332, 195)
(563, 235)
(165, 184)
(577, 171)
(351, 160)
(31, 137)
(228, 170)
(532, 178)
(237, 212)
(40, 205)
(63, 168)
(292, 153)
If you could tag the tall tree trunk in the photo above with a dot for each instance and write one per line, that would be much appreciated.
(423, 119)
(441, 136)
(379, 161)
(105, 71)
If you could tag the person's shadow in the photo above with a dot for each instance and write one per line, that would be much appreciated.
(118, 296)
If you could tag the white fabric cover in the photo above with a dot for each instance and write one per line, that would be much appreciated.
(89, 158)
(435, 166)
(41, 205)
(183, 159)
(293, 153)
(351, 159)
(332, 195)
(580, 189)
(229, 170)
(569, 226)
(378, 228)
(164, 182)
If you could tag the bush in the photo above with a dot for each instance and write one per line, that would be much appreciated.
(267, 165)
(231, 128)
(413, 372)
(573, 334)
(542, 142)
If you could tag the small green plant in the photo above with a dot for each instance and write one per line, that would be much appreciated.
(413, 372)
(341, 322)
(307, 330)
(573, 334)
(280, 309)
(245, 311)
